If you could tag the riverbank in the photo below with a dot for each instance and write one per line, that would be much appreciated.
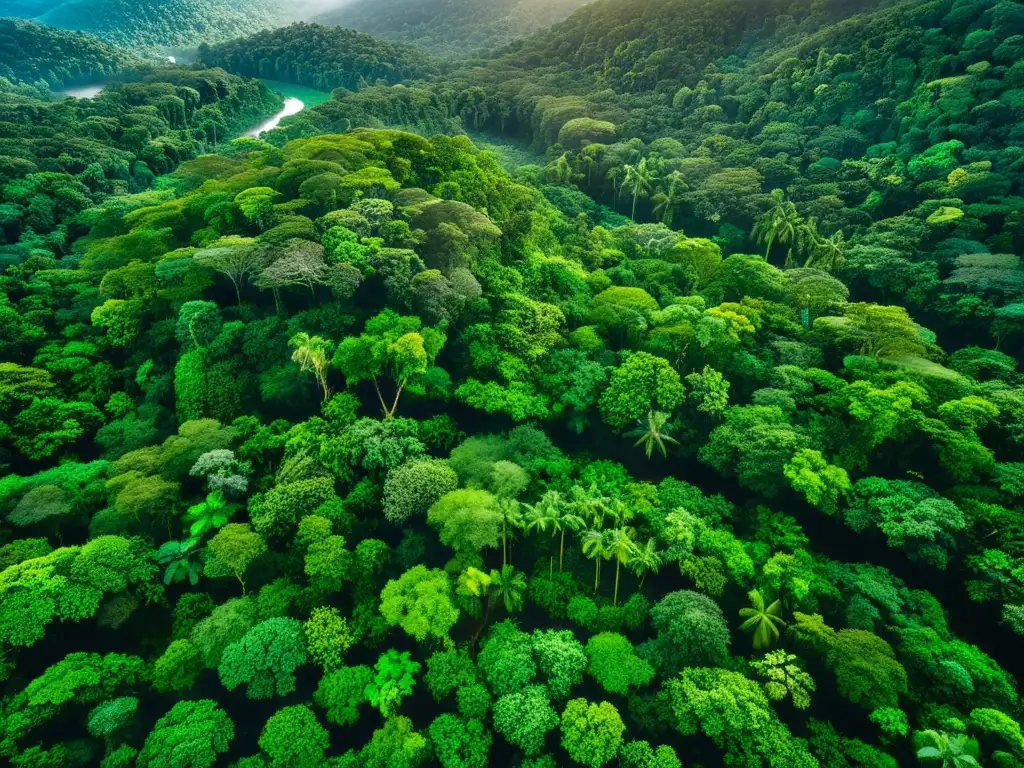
(296, 99)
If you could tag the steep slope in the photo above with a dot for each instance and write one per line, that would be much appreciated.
(451, 26)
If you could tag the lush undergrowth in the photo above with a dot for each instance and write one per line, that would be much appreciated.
(689, 441)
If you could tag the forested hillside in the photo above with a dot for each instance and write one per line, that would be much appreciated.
(318, 57)
(33, 53)
(155, 23)
(450, 26)
(893, 134)
(696, 442)
(60, 156)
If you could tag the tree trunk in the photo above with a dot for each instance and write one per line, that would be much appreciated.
(561, 551)
(380, 397)
(615, 596)
(476, 635)
(321, 376)
(597, 571)
(394, 405)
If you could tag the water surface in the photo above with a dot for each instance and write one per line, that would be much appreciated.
(292, 106)
(297, 97)
(83, 91)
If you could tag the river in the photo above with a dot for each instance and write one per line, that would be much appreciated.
(296, 98)
(292, 106)
(83, 91)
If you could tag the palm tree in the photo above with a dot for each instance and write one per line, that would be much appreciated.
(478, 584)
(509, 585)
(511, 517)
(765, 622)
(589, 504)
(568, 520)
(616, 173)
(806, 239)
(594, 548)
(780, 223)
(543, 516)
(587, 161)
(560, 171)
(554, 513)
(828, 252)
(953, 751)
(640, 179)
(647, 558)
(621, 547)
(668, 199)
(619, 512)
(312, 353)
(653, 433)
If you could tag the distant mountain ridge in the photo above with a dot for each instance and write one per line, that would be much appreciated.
(451, 26)
(156, 23)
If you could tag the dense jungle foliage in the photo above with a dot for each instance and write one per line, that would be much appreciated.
(319, 57)
(51, 58)
(450, 26)
(155, 23)
(695, 442)
(59, 158)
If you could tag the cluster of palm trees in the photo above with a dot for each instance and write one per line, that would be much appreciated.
(665, 194)
(764, 621)
(636, 180)
(782, 224)
(586, 511)
(605, 533)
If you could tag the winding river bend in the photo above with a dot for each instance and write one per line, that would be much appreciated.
(292, 106)
(296, 98)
